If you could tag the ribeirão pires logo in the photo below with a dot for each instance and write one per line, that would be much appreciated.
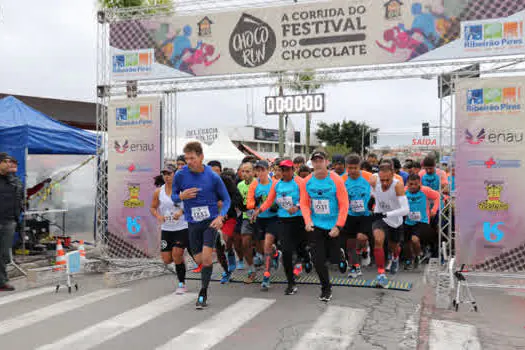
(135, 116)
(140, 61)
(493, 201)
(489, 136)
(134, 201)
(495, 35)
(252, 42)
(125, 146)
(494, 100)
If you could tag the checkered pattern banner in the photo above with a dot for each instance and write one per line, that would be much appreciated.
(512, 260)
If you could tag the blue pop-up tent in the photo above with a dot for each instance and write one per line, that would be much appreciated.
(24, 130)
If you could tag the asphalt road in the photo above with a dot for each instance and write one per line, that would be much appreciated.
(148, 315)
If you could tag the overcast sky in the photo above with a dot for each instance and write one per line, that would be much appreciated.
(48, 49)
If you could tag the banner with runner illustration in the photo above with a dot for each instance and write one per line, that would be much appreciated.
(134, 159)
(337, 33)
(490, 154)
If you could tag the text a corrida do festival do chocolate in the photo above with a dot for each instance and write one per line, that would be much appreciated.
(323, 33)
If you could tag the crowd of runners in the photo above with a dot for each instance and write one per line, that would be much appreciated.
(302, 214)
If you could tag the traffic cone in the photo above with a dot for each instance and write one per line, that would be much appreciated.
(60, 262)
(82, 250)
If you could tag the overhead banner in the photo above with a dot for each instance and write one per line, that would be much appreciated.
(490, 155)
(133, 161)
(337, 33)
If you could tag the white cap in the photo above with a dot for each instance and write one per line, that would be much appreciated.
(309, 164)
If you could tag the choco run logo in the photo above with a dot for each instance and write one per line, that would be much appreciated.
(494, 100)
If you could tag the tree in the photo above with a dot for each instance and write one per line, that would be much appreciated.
(355, 136)
(307, 82)
(133, 3)
(337, 149)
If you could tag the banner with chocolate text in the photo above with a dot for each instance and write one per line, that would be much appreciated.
(328, 34)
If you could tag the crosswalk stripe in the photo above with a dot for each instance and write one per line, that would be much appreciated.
(24, 295)
(333, 330)
(447, 335)
(211, 332)
(61, 307)
(111, 328)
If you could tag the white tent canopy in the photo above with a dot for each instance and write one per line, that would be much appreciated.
(216, 146)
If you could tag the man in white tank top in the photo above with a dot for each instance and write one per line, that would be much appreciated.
(391, 205)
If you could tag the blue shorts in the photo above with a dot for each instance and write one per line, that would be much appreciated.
(201, 235)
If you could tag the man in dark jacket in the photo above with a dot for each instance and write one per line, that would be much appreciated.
(11, 199)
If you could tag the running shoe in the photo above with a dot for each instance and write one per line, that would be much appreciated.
(275, 259)
(226, 276)
(365, 257)
(250, 277)
(265, 285)
(291, 289)
(240, 265)
(326, 295)
(381, 280)
(355, 272)
(198, 269)
(201, 301)
(181, 289)
(232, 262)
(308, 267)
(408, 266)
(343, 263)
(394, 267)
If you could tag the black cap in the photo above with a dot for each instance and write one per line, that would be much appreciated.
(262, 164)
(337, 158)
(318, 154)
(181, 159)
(4, 156)
(397, 163)
(168, 168)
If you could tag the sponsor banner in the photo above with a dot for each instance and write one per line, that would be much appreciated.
(328, 34)
(490, 156)
(133, 162)
(493, 36)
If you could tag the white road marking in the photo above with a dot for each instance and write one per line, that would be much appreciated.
(447, 335)
(211, 332)
(56, 309)
(24, 295)
(333, 330)
(111, 328)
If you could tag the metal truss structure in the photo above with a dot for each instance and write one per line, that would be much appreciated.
(174, 88)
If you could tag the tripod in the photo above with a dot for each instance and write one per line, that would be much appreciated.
(15, 265)
(463, 294)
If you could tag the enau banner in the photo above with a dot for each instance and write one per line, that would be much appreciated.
(490, 155)
(133, 161)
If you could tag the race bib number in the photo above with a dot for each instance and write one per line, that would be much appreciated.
(321, 206)
(200, 213)
(168, 217)
(285, 202)
(357, 206)
(414, 216)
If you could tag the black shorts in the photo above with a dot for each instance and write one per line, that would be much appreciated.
(358, 224)
(238, 225)
(267, 225)
(201, 234)
(173, 239)
(419, 229)
(392, 234)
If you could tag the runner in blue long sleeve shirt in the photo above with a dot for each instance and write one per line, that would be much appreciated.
(201, 189)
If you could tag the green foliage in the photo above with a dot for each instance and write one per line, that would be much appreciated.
(348, 133)
(337, 149)
(120, 3)
(306, 81)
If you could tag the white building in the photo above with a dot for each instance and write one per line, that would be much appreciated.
(265, 142)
